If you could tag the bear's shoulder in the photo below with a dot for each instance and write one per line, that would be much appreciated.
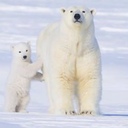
(51, 28)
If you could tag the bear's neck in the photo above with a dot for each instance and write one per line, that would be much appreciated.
(77, 30)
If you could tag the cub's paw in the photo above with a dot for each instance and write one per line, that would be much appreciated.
(23, 111)
(42, 78)
(39, 76)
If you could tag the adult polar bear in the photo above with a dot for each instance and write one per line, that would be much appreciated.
(70, 53)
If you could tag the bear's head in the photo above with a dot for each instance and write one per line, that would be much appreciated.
(22, 51)
(77, 16)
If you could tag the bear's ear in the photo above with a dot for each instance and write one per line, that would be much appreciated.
(63, 10)
(93, 12)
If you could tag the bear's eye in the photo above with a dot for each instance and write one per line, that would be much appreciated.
(26, 50)
(19, 51)
(71, 11)
(83, 11)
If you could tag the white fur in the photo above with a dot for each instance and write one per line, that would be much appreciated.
(18, 84)
(70, 53)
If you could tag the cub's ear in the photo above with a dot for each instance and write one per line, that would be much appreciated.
(12, 47)
(63, 10)
(29, 43)
(93, 12)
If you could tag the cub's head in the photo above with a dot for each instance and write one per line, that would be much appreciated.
(22, 51)
(77, 16)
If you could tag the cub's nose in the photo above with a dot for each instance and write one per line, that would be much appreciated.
(77, 16)
(25, 57)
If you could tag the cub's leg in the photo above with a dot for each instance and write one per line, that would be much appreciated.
(23, 104)
(31, 69)
(11, 101)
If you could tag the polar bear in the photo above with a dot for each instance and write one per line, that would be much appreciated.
(71, 54)
(18, 84)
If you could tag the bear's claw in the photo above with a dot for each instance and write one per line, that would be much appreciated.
(70, 113)
(87, 113)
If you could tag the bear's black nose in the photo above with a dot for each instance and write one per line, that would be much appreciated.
(25, 57)
(77, 16)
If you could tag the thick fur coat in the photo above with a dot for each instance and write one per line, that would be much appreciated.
(21, 74)
(70, 53)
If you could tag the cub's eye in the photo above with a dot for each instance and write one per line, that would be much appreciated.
(71, 11)
(26, 50)
(19, 51)
(83, 11)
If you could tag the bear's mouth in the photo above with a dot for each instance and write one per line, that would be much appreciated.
(77, 21)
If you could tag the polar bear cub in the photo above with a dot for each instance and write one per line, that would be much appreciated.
(70, 54)
(21, 74)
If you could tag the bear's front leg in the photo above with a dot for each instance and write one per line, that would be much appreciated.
(89, 79)
(62, 92)
(89, 96)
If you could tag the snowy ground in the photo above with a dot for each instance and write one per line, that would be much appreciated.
(23, 21)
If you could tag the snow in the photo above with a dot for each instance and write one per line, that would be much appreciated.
(46, 121)
(114, 29)
(23, 21)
